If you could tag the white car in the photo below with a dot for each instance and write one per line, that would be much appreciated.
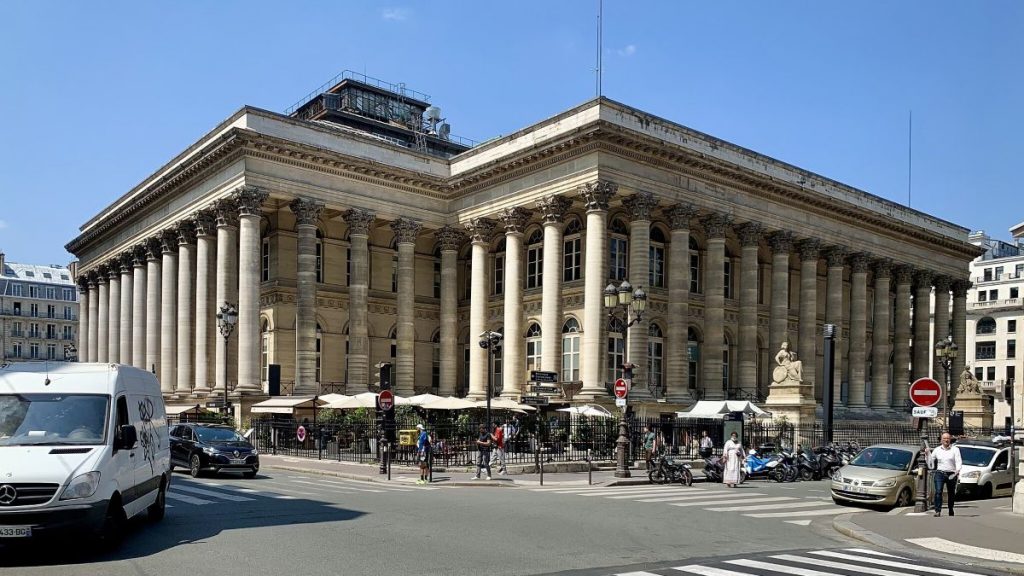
(986, 469)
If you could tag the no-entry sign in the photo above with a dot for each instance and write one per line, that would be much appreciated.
(621, 390)
(925, 392)
(386, 400)
(300, 433)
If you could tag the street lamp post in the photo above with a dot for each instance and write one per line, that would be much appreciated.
(631, 302)
(490, 341)
(227, 317)
(946, 351)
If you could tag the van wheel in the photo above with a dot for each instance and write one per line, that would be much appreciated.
(112, 532)
(195, 468)
(906, 498)
(156, 511)
(986, 492)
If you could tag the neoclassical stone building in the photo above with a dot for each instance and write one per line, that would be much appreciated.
(348, 236)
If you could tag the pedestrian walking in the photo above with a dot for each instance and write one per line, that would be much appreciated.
(648, 445)
(510, 430)
(499, 448)
(423, 447)
(732, 454)
(483, 448)
(707, 447)
(946, 462)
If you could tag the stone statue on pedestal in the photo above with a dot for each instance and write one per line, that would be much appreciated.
(789, 369)
(968, 383)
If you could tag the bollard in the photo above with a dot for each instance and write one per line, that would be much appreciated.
(430, 466)
(387, 447)
(590, 468)
(921, 499)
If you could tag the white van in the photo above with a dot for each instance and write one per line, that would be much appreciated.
(83, 447)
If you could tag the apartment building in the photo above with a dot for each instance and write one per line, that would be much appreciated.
(38, 312)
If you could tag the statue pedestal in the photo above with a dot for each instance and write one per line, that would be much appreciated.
(975, 407)
(792, 400)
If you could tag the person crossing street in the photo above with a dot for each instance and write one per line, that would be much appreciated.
(946, 462)
(423, 453)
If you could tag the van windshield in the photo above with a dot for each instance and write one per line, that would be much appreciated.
(53, 419)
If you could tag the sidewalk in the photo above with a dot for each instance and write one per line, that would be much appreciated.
(983, 532)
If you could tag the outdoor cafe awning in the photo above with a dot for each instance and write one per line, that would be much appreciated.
(179, 409)
(285, 405)
(719, 408)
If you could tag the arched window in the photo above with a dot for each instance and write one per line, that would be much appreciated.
(435, 370)
(572, 252)
(616, 349)
(319, 348)
(696, 285)
(618, 250)
(498, 275)
(692, 356)
(533, 347)
(655, 355)
(264, 349)
(319, 260)
(534, 259)
(986, 325)
(657, 257)
(571, 350)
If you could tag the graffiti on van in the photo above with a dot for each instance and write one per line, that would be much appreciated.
(148, 438)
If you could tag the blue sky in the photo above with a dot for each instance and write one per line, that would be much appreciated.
(97, 95)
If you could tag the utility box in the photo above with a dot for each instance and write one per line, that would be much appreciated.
(408, 437)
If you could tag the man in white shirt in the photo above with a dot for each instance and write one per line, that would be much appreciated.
(945, 462)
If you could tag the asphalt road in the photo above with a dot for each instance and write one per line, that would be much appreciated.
(289, 523)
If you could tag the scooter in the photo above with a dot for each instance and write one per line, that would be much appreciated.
(755, 466)
(666, 470)
(713, 469)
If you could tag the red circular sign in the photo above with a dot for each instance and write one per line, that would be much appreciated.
(925, 392)
(386, 399)
(300, 434)
(621, 390)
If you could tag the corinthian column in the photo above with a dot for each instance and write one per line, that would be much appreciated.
(226, 212)
(103, 335)
(307, 214)
(922, 324)
(941, 320)
(750, 235)
(154, 307)
(808, 330)
(639, 206)
(677, 364)
(125, 319)
(139, 289)
(206, 309)
(553, 208)
(250, 201)
(450, 239)
(406, 231)
(480, 230)
(358, 333)
(514, 348)
(901, 338)
(114, 312)
(835, 259)
(94, 318)
(781, 244)
(858, 329)
(83, 318)
(168, 310)
(959, 288)
(595, 196)
(880, 350)
(714, 306)
(186, 306)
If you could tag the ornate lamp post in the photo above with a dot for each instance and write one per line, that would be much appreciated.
(490, 341)
(227, 317)
(632, 303)
(946, 351)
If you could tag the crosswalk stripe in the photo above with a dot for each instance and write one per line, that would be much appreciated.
(706, 494)
(566, 488)
(266, 493)
(838, 565)
(221, 495)
(337, 489)
(776, 499)
(187, 499)
(874, 553)
(710, 571)
(893, 563)
(830, 511)
(780, 568)
(618, 491)
(637, 574)
(286, 488)
(764, 507)
(679, 491)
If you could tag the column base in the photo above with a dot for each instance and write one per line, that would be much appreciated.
(201, 392)
(592, 393)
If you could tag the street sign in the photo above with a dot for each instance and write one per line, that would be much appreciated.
(621, 389)
(925, 392)
(924, 412)
(534, 400)
(300, 434)
(542, 389)
(386, 399)
(215, 404)
(539, 376)
(620, 402)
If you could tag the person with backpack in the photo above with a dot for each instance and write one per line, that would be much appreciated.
(423, 452)
(499, 448)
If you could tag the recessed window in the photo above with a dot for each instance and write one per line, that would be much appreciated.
(534, 259)
(985, 351)
(1011, 348)
(1011, 326)
(499, 269)
(986, 325)
(618, 251)
(695, 280)
(616, 349)
(533, 347)
(655, 355)
(657, 259)
(572, 255)
(571, 350)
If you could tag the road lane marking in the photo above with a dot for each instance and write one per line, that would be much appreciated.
(776, 499)
(772, 567)
(265, 493)
(950, 547)
(764, 507)
(710, 571)
(329, 489)
(838, 565)
(830, 511)
(707, 494)
(188, 499)
(637, 574)
(222, 495)
(894, 564)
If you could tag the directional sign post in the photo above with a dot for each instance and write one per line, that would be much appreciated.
(386, 399)
(535, 400)
(546, 377)
(925, 392)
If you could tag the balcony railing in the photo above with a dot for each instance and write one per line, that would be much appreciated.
(1006, 303)
(996, 278)
(18, 333)
(35, 334)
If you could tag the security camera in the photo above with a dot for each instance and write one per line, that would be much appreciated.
(485, 344)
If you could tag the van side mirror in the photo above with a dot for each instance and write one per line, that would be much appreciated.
(126, 438)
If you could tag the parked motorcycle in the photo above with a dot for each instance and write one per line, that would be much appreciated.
(669, 470)
(713, 469)
(786, 470)
(755, 466)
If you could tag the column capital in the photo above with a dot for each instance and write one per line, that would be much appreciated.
(942, 283)
(835, 256)
(781, 242)
(140, 253)
(810, 249)
(640, 205)
(449, 237)
(250, 200)
(154, 247)
(750, 233)
(168, 241)
(111, 270)
(186, 230)
(715, 224)
(922, 278)
(679, 215)
(126, 260)
(83, 283)
(904, 274)
(960, 287)
(480, 230)
(226, 211)
(98, 276)
(307, 211)
(514, 219)
(205, 222)
(883, 268)
(358, 221)
(595, 195)
(405, 230)
(860, 262)
(553, 208)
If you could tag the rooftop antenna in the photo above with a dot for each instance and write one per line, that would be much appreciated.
(600, 9)
(910, 157)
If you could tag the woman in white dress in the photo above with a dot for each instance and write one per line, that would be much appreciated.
(733, 455)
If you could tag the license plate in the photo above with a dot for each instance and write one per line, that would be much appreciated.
(860, 490)
(15, 531)
(238, 460)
